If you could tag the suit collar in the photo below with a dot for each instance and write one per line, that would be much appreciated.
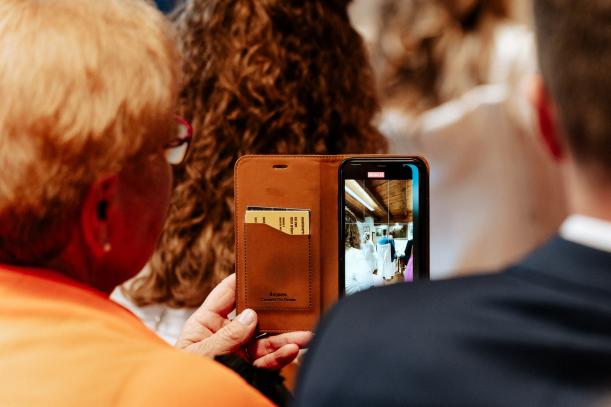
(573, 262)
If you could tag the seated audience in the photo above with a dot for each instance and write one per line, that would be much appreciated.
(536, 334)
(271, 77)
(87, 133)
(453, 79)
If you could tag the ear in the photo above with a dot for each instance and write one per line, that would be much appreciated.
(546, 118)
(98, 206)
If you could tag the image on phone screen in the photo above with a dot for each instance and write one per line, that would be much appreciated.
(380, 225)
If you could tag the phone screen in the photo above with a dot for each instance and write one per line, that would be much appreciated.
(384, 223)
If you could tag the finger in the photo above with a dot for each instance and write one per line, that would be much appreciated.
(271, 344)
(196, 329)
(278, 359)
(221, 299)
(228, 339)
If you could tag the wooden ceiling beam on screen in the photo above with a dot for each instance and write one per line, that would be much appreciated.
(379, 207)
(359, 208)
(362, 192)
(409, 201)
(377, 192)
(396, 198)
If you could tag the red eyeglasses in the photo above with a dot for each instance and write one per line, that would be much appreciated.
(176, 151)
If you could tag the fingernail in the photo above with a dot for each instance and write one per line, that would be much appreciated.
(247, 317)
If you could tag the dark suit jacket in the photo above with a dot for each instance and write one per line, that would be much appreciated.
(538, 334)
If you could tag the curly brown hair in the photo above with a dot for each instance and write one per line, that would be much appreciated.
(431, 51)
(261, 77)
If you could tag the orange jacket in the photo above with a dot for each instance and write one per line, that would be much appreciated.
(65, 344)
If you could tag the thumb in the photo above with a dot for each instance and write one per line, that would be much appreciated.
(231, 337)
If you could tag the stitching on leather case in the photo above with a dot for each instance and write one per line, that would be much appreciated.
(310, 271)
(235, 233)
(245, 269)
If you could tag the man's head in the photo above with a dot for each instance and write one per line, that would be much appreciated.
(88, 97)
(574, 100)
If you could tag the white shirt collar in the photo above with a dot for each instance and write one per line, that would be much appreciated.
(587, 231)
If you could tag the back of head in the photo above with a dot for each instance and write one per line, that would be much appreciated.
(432, 51)
(85, 86)
(573, 39)
(261, 77)
(274, 76)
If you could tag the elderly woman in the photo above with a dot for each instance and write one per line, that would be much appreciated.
(87, 133)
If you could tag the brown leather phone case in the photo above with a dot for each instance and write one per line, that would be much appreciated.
(270, 262)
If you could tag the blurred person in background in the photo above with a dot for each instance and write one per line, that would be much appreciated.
(453, 79)
(272, 77)
(87, 136)
(536, 334)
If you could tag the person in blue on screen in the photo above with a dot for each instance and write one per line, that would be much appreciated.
(387, 238)
(386, 266)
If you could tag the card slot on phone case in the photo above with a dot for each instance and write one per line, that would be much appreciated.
(277, 267)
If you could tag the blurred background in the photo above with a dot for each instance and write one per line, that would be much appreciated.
(452, 80)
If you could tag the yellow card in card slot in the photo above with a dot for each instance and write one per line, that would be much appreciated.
(289, 221)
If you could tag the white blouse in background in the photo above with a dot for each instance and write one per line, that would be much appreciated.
(164, 321)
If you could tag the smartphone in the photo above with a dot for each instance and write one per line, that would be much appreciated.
(383, 222)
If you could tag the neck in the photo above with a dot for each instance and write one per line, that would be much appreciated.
(76, 263)
(589, 194)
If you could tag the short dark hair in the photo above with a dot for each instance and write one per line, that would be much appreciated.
(573, 40)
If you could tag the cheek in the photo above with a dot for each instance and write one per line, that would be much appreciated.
(160, 197)
(150, 199)
(166, 192)
(140, 214)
